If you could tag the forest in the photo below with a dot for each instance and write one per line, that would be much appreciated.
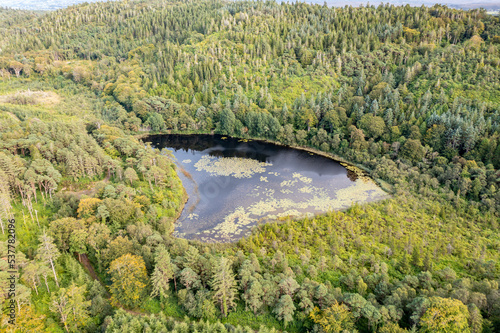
(410, 95)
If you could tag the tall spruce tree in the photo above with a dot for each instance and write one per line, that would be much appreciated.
(224, 285)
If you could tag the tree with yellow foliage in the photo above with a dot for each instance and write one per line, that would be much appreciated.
(129, 277)
(26, 318)
(336, 318)
(445, 315)
(71, 306)
(87, 207)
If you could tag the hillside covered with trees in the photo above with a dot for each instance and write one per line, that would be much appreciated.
(410, 95)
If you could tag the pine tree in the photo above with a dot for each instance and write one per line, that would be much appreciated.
(224, 285)
(45, 273)
(31, 275)
(416, 258)
(23, 295)
(404, 265)
(254, 296)
(427, 263)
(284, 309)
(59, 305)
(288, 286)
(131, 175)
(48, 252)
(189, 278)
(162, 274)
(191, 258)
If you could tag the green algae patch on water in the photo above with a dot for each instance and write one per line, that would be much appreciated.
(230, 166)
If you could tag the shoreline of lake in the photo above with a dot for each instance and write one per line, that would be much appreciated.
(243, 182)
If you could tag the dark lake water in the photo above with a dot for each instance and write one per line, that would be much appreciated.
(234, 184)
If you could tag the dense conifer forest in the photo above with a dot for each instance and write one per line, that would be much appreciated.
(409, 94)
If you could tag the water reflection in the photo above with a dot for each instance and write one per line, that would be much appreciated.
(232, 184)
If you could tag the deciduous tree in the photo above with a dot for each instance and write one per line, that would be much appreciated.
(129, 280)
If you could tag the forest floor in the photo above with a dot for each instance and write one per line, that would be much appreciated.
(90, 190)
(84, 260)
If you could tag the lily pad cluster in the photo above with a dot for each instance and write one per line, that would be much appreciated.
(231, 166)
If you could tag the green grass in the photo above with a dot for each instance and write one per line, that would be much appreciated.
(246, 318)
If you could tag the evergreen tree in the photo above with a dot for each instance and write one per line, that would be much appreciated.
(227, 122)
(224, 285)
(48, 252)
(254, 296)
(284, 309)
(162, 274)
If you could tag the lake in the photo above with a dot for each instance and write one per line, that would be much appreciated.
(234, 184)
